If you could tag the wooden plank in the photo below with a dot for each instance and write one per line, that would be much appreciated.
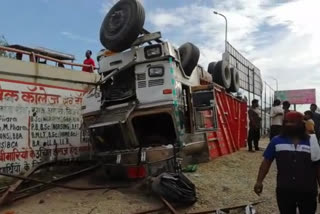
(201, 87)
(6, 197)
(168, 205)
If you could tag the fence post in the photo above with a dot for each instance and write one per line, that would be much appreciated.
(253, 86)
(249, 89)
(270, 102)
(265, 108)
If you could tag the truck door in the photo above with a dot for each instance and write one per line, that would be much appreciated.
(204, 108)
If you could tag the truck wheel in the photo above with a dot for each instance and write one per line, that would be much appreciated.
(122, 25)
(235, 80)
(189, 57)
(211, 67)
(221, 74)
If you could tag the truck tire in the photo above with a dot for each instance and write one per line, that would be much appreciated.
(235, 80)
(122, 25)
(221, 74)
(211, 67)
(189, 57)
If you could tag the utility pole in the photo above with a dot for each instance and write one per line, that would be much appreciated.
(226, 29)
(277, 84)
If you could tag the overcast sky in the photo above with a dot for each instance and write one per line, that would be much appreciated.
(281, 37)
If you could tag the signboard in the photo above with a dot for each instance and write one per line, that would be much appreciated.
(303, 96)
(38, 123)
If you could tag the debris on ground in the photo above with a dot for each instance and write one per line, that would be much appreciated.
(190, 168)
(92, 210)
(245, 208)
(175, 187)
(223, 182)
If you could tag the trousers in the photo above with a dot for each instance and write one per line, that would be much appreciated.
(274, 131)
(253, 137)
(288, 202)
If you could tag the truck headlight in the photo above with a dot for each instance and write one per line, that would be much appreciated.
(157, 71)
(152, 51)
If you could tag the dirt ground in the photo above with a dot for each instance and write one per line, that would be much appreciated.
(225, 181)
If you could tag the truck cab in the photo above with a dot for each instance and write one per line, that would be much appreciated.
(152, 104)
(144, 106)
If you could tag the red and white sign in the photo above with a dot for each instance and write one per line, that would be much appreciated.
(38, 123)
(303, 96)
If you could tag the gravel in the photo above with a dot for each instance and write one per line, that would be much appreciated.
(222, 182)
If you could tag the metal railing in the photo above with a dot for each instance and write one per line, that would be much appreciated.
(252, 84)
(250, 75)
(266, 104)
(33, 56)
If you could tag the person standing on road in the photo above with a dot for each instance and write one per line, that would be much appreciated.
(309, 123)
(286, 106)
(88, 61)
(276, 119)
(298, 164)
(254, 125)
(316, 119)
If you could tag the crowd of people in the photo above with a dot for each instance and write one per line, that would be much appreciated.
(294, 145)
(311, 120)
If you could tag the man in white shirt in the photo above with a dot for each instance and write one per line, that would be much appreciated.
(276, 118)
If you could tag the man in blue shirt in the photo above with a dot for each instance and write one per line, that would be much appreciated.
(297, 158)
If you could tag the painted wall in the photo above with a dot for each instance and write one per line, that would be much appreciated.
(40, 114)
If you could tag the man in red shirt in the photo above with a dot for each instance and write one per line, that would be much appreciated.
(88, 61)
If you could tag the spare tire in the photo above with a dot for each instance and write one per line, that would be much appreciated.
(211, 67)
(122, 25)
(235, 80)
(221, 74)
(189, 57)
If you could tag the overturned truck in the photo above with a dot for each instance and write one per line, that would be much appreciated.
(154, 105)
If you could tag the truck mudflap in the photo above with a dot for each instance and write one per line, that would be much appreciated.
(112, 116)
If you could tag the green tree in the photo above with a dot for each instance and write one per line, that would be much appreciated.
(4, 42)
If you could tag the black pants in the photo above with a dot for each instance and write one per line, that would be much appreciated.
(288, 201)
(254, 136)
(274, 131)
